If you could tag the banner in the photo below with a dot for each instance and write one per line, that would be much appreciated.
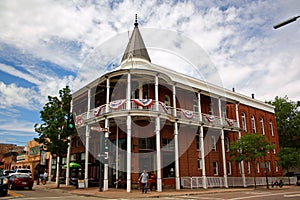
(115, 105)
(98, 110)
(210, 118)
(187, 113)
(143, 102)
(230, 122)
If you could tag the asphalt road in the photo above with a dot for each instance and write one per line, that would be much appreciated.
(292, 193)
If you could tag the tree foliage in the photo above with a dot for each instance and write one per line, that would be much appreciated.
(53, 132)
(251, 147)
(289, 158)
(288, 121)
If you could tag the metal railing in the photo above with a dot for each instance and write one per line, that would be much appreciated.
(183, 114)
(197, 182)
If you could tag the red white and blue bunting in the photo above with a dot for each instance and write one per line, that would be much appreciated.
(230, 122)
(187, 113)
(210, 118)
(115, 105)
(98, 110)
(164, 106)
(143, 102)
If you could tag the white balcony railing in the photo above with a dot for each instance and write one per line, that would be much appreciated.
(151, 105)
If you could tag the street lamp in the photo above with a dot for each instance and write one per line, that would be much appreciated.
(286, 22)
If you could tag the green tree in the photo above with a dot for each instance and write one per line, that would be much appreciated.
(53, 131)
(288, 121)
(250, 148)
(289, 158)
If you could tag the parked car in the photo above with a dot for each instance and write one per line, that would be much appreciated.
(3, 185)
(20, 170)
(7, 172)
(20, 180)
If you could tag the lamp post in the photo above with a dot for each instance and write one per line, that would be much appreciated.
(286, 22)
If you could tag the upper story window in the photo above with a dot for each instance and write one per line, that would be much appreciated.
(253, 124)
(198, 142)
(244, 121)
(271, 128)
(261, 121)
(145, 91)
(211, 108)
(227, 144)
(167, 100)
(213, 143)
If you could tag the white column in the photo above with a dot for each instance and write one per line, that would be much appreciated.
(105, 182)
(50, 169)
(57, 170)
(201, 140)
(156, 94)
(128, 133)
(204, 180)
(239, 136)
(86, 161)
(223, 146)
(128, 105)
(128, 153)
(87, 143)
(177, 177)
(105, 186)
(117, 153)
(158, 154)
(176, 140)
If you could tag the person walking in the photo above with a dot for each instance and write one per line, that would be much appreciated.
(152, 181)
(144, 180)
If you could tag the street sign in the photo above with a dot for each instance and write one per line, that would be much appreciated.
(99, 129)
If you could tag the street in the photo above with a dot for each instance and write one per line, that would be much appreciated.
(288, 193)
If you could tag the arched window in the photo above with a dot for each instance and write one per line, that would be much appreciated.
(271, 128)
(167, 100)
(261, 121)
(244, 121)
(253, 124)
(227, 144)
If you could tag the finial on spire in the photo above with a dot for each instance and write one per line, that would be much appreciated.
(136, 23)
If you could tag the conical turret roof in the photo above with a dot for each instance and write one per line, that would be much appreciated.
(136, 47)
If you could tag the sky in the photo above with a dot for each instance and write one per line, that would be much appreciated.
(46, 44)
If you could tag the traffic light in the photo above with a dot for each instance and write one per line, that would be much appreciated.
(70, 122)
(106, 145)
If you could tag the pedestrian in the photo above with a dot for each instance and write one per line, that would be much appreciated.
(152, 181)
(45, 177)
(144, 180)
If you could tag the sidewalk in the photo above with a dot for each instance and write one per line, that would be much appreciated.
(121, 193)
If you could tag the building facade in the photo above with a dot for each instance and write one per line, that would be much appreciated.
(144, 116)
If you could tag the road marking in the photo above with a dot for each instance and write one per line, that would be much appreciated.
(291, 195)
(263, 195)
(14, 194)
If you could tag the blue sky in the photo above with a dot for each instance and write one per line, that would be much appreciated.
(45, 44)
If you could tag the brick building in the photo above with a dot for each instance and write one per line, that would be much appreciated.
(160, 123)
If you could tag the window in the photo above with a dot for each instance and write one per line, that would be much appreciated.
(215, 167)
(213, 143)
(253, 124)
(198, 143)
(211, 109)
(200, 163)
(195, 105)
(168, 144)
(271, 128)
(262, 125)
(244, 121)
(269, 166)
(276, 166)
(145, 91)
(248, 167)
(228, 168)
(258, 168)
(227, 144)
(274, 150)
(167, 100)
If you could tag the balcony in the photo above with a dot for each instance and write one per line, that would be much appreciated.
(149, 105)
